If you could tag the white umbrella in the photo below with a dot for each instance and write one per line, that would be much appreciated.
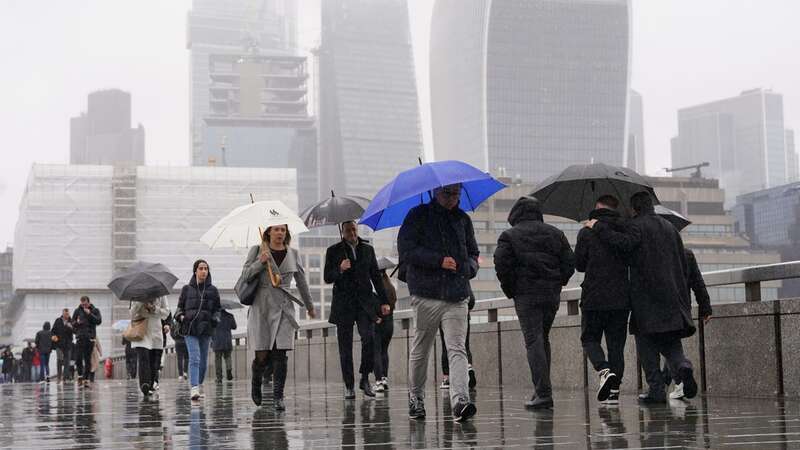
(240, 228)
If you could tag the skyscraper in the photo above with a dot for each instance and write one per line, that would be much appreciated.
(792, 168)
(635, 151)
(369, 114)
(530, 86)
(742, 137)
(103, 134)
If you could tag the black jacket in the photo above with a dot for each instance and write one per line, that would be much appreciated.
(659, 275)
(698, 285)
(63, 332)
(198, 308)
(85, 325)
(44, 341)
(429, 234)
(605, 286)
(8, 362)
(222, 340)
(353, 289)
(27, 356)
(533, 260)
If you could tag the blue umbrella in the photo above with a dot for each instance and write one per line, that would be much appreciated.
(414, 187)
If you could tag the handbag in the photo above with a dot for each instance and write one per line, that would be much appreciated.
(136, 330)
(246, 290)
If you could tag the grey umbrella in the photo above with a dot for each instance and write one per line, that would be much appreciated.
(574, 192)
(227, 303)
(677, 220)
(142, 281)
(386, 263)
(334, 210)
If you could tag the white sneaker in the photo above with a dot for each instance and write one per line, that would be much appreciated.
(195, 393)
(180, 377)
(378, 387)
(385, 383)
(155, 386)
(445, 384)
(606, 381)
(677, 394)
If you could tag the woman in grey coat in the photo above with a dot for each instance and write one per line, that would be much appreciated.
(270, 321)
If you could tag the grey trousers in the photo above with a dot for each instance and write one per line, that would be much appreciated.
(452, 316)
(649, 348)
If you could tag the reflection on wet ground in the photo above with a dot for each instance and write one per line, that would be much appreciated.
(113, 415)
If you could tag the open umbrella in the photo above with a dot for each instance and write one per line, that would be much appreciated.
(227, 303)
(334, 210)
(120, 325)
(142, 281)
(241, 228)
(414, 187)
(386, 263)
(574, 192)
(677, 220)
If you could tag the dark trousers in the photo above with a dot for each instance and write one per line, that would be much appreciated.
(62, 362)
(83, 360)
(148, 362)
(536, 321)
(383, 337)
(182, 357)
(445, 361)
(614, 325)
(650, 346)
(218, 357)
(344, 332)
(130, 362)
(279, 362)
(157, 370)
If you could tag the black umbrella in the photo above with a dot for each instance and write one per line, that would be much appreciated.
(386, 263)
(677, 220)
(574, 192)
(142, 281)
(227, 303)
(334, 210)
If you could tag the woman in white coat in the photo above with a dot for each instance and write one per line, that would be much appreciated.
(147, 349)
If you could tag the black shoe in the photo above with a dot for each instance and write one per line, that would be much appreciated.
(689, 383)
(463, 411)
(279, 404)
(218, 380)
(648, 399)
(416, 409)
(364, 386)
(145, 387)
(349, 393)
(473, 380)
(539, 403)
(607, 380)
(230, 376)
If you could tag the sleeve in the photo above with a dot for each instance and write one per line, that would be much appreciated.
(504, 263)
(472, 250)
(566, 261)
(94, 317)
(582, 250)
(233, 321)
(331, 270)
(252, 266)
(698, 286)
(391, 293)
(302, 287)
(138, 311)
(411, 243)
(163, 310)
(625, 242)
(179, 311)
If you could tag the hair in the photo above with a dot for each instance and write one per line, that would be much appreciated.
(85, 297)
(65, 310)
(642, 203)
(287, 241)
(349, 221)
(609, 200)
(197, 264)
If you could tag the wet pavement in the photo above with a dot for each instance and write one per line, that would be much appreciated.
(113, 415)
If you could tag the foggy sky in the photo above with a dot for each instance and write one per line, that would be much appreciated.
(685, 52)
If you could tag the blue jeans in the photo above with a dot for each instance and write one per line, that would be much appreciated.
(198, 358)
(45, 367)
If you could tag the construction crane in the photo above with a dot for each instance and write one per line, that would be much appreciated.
(696, 167)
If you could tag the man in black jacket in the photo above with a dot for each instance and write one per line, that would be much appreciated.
(437, 245)
(352, 268)
(85, 320)
(605, 302)
(62, 329)
(222, 344)
(533, 261)
(660, 308)
(44, 343)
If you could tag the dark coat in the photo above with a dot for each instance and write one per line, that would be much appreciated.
(8, 362)
(198, 308)
(698, 285)
(659, 275)
(533, 260)
(64, 333)
(356, 288)
(85, 325)
(222, 340)
(27, 356)
(44, 341)
(605, 286)
(429, 234)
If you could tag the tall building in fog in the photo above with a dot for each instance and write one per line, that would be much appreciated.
(792, 159)
(249, 89)
(368, 109)
(530, 86)
(103, 134)
(742, 137)
(635, 151)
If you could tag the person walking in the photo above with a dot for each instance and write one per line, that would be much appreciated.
(8, 366)
(62, 334)
(383, 335)
(533, 261)
(270, 320)
(44, 343)
(36, 363)
(85, 320)
(473, 380)
(152, 311)
(27, 362)
(660, 304)
(437, 246)
(181, 353)
(222, 344)
(605, 300)
(351, 267)
(198, 314)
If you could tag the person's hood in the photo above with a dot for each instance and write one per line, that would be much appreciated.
(526, 209)
(193, 281)
(46, 326)
(604, 213)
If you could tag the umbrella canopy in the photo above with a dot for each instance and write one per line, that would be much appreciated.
(142, 281)
(227, 303)
(414, 187)
(677, 220)
(574, 192)
(334, 210)
(240, 228)
(120, 325)
(386, 263)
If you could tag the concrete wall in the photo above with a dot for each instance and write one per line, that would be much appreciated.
(750, 349)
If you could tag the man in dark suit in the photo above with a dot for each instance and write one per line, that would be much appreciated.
(352, 268)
